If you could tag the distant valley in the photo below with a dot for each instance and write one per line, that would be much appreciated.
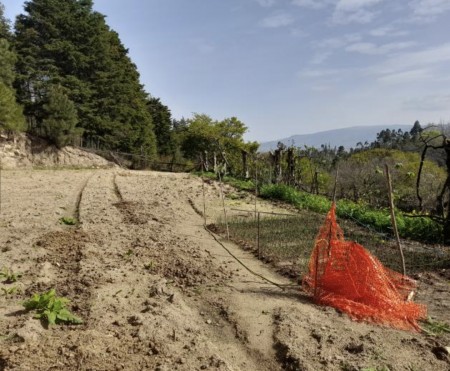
(347, 137)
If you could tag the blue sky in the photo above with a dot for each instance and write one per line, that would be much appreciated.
(287, 67)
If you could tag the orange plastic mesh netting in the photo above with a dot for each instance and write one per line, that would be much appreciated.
(344, 275)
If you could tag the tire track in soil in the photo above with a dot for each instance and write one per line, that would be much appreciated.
(65, 250)
(59, 268)
(231, 334)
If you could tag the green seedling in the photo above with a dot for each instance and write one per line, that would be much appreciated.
(128, 254)
(9, 276)
(150, 265)
(10, 290)
(434, 328)
(67, 220)
(51, 308)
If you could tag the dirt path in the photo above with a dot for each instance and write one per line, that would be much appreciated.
(157, 292)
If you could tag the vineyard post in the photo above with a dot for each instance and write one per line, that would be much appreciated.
(223, 206)
(393, 220)
(204, 201)
(0, 184)
(256, 185)
(258, 235)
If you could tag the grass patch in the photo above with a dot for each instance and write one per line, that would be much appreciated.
(435, 328)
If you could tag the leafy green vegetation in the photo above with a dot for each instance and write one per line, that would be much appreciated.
(67, 220)
(11, 115)
(10, 290)
(9, 276)
(434, 327)
(417, 228)
(61, 119)
(51, 309)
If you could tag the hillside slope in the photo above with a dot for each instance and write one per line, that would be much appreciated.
(24, 151)
(347, 137)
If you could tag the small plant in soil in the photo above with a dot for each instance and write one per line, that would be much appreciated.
(433, 327)
(67, 220)
(51, 309)
(9, 276)
(10, 290)
(150, 265)
(128, 254)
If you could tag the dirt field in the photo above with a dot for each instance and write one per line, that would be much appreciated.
(157, 292)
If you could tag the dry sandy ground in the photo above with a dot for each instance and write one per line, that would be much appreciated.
(157, 292)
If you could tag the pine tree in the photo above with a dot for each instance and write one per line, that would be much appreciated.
(61, 119)
(162, 122)
(65, 42)
(11, 117)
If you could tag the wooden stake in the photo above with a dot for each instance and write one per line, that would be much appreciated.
(0, 184)
(335, 183)
(258, 232)
(204, 201)
(256, 186)
(393, 220)
(223, 206)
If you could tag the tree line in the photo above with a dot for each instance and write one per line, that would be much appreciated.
(66, 76)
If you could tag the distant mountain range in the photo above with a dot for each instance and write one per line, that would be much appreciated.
(347, 137)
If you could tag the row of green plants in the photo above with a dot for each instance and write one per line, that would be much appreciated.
(416, 228)
(413, 227)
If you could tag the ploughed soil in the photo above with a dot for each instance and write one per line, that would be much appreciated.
(156, 291)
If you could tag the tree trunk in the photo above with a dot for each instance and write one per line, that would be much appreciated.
(277, 163)
(245, 172)
(447, 184)
(291, 166)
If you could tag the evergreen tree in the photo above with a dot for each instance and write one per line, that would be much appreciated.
(11, 117)
(162, 122)
(4, 24)
(65, 42)
(61, 118)
(416, 130)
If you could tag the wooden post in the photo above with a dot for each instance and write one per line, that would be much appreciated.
(0, 183)
(335, 183)
(256, 186)
(223, 206)
(258, 245)
(394, 222)
(204, 201)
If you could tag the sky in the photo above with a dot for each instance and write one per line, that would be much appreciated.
(286, 67)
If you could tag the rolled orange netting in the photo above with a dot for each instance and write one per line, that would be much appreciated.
(344, 275)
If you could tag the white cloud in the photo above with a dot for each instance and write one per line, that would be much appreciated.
(312, 4)
(321, 57)
(354, 11)
(406, 77)
(266, 3)
(388, 31)
(373, 49)
(277, 20)
(297, 32)
(429, 8)
(429, 103)
(318, 73)
(413, 60)
(337, 42)
(352, 5)
(322, 87)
